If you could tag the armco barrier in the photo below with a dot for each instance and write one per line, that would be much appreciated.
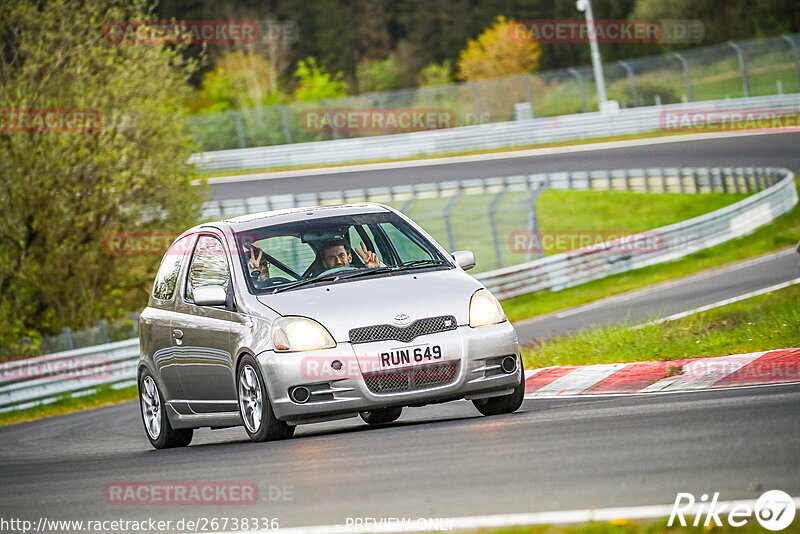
(44, 379)
(481, 137)
(676, 240)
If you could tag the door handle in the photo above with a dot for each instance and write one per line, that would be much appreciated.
(177, 333)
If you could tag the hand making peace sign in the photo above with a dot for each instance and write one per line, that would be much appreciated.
(370, 258)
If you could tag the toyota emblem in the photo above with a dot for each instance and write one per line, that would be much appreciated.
(401, 319)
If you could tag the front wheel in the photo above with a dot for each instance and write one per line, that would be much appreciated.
(156, 424)
(382, 415)
(254, 406)
(505, 404)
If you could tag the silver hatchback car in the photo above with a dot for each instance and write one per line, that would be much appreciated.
(313, 314)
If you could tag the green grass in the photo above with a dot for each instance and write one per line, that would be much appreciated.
(573, 214)
(779, 234)
(104, 396)
(624, 526)
(766, 322)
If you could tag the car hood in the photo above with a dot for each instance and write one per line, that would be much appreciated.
(352, 304)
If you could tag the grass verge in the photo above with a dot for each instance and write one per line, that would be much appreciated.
(104, 396)
(766, 322)
(781, 233)
(624, 526)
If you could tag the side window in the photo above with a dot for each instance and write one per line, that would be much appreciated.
(167, 276)
(209, 265)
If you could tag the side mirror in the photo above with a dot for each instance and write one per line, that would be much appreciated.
(210, 296)
(464, 259)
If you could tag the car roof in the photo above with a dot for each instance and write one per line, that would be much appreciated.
(268, 218)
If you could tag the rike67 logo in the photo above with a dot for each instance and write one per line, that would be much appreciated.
(774, 510)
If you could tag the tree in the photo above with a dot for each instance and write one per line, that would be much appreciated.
(316, 84)
(62, 192)
(239, 80)
(497, 53)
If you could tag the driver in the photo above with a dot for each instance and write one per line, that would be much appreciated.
(339, 254)
(258, 266)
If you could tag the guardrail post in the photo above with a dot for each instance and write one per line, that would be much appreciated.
(663, 179)
(796, 55)
(528, 92)
(448, 210)
(634, 92)
(581, 87)
(237, 120)
(742, 67)
(533, 220)
(493, 222)
(66, 332)
(287, 131)
(687, 77)
(696, 181)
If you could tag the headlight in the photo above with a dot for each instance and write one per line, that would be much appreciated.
(484, 309)
(295, 334)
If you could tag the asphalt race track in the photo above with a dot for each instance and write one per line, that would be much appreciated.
(668, 298)
(447, 460)
(436, 461)
(775, 150)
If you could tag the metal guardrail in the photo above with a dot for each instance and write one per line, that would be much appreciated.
(32, 381)
(481, 137)
(575, 267)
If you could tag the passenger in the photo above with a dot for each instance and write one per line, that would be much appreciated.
(339, 254)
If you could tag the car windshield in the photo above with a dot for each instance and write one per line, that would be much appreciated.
(303, 253)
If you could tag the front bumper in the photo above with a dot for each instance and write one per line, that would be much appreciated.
(471, 353)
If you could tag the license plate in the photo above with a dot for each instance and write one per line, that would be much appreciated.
(410, 355)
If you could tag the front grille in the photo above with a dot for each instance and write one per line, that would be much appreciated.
(387, 332)
(413, 378)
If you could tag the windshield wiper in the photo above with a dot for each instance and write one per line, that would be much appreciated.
(338, 275)
(308, 281)
(413, 264)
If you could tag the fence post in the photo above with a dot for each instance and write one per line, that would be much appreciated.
(493, 222)
(448, 210)
(796, 55)
(287, 131)
(478, 100)
(634, 92)
(409, 202)
(581, 87)
(528, 92)
(533, 220)
(742, 67)
(67, 333)
(237, 119)
(334, 130)
(101, 326)
(687, 77)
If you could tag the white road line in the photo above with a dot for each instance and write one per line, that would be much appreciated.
(610, 145)
(663, 286)
(704, 372)
(579, 379)
(424, 524)
(731, 300)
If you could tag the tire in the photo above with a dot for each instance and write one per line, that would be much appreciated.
(156, 424)
(382, 415)
(255, 409)
(505, 404)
